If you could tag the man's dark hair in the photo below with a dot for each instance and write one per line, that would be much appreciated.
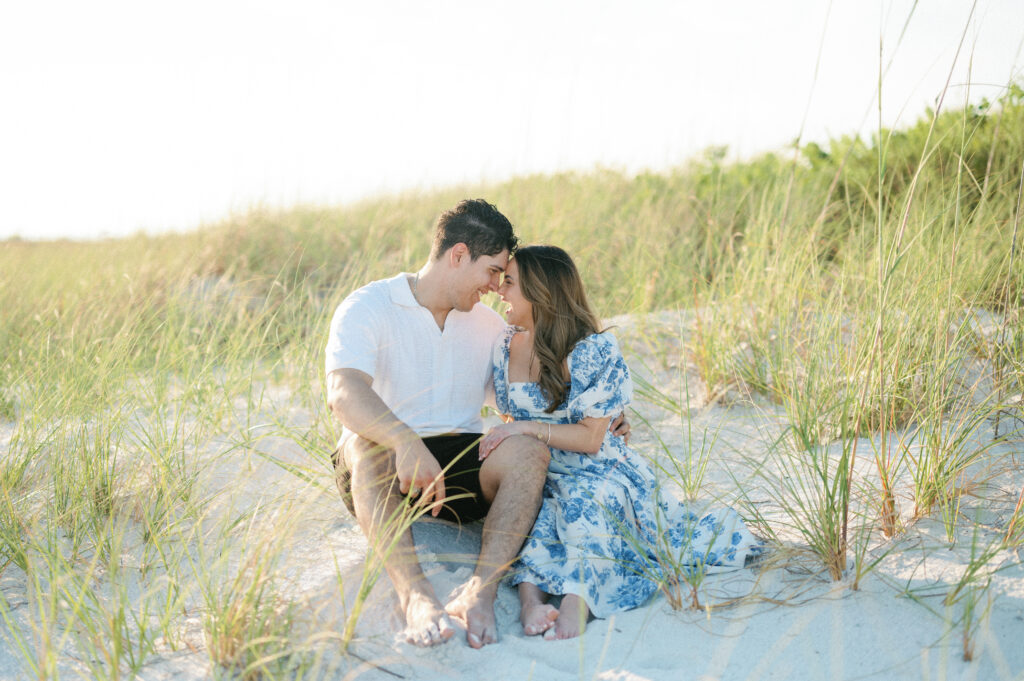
(479, 225)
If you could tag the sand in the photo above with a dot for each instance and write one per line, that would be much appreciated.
(783, 618)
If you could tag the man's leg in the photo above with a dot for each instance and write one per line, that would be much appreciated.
(377, 499)
(512, 479)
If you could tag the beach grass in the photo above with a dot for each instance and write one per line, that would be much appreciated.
(866, 293)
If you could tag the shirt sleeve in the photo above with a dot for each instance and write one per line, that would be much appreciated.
(600, 383)
(354, 338)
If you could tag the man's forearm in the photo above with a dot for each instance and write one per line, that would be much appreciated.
(360, 409)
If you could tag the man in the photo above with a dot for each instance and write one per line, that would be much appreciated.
(408, 368)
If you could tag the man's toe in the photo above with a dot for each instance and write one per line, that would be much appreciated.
(422, 636)
(445, 628)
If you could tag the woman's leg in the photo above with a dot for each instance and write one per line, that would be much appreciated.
(572, 618)
(536, 614)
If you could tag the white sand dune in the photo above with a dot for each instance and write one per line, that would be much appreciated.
(780, 619)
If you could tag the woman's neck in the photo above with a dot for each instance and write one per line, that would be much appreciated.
(522, 361)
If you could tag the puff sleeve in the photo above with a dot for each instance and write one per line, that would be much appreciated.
(600, 382)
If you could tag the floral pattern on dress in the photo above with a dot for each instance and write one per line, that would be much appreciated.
(605, 531)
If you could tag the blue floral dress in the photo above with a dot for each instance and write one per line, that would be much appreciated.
(604, 531)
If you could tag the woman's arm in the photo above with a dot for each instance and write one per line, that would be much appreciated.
(585, 436)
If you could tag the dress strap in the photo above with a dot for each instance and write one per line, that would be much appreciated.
(500, 369)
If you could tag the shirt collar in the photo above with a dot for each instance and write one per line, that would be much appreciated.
(401, 293)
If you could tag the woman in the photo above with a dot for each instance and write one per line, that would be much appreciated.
(603, 532)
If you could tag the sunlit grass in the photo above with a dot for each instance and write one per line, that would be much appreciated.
(139, 377)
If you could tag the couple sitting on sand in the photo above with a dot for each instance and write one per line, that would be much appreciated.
(567, 505)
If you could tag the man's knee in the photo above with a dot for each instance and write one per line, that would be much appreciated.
(527, 448)
(361, 468)
(363, 454)
(517, 455)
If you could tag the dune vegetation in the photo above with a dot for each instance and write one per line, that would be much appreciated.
(871, 290)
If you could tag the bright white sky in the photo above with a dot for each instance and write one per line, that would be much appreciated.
(121, 116)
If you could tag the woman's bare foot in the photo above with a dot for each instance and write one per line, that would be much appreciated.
(538, 618)
(474, 607)
(535, 613)
(572, 619)
(426, 624)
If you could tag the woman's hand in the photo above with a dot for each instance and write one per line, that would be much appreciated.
(496, 435)
(620, 427)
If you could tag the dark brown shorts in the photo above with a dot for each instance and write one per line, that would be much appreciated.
(458, 456)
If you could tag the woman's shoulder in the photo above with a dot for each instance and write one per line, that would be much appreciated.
(600, 342)
(599, 376)
(506, 337)
(508, 332)
(596, 348)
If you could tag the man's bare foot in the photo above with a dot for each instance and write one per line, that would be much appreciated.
(474, 607)
(426, 624)
(572, 619)
(538, 618)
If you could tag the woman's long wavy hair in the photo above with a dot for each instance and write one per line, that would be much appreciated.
(561, 314)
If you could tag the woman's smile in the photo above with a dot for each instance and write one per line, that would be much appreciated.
(519, 311)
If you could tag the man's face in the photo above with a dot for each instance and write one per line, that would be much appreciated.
(474, 278)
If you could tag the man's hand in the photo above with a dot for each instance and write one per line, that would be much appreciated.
(621, 428)
(417, 469)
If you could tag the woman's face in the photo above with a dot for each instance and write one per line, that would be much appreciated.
(520, 312)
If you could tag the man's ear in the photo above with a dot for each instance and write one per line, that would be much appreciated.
(457, 253)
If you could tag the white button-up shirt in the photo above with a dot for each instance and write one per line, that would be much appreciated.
(434, 381)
